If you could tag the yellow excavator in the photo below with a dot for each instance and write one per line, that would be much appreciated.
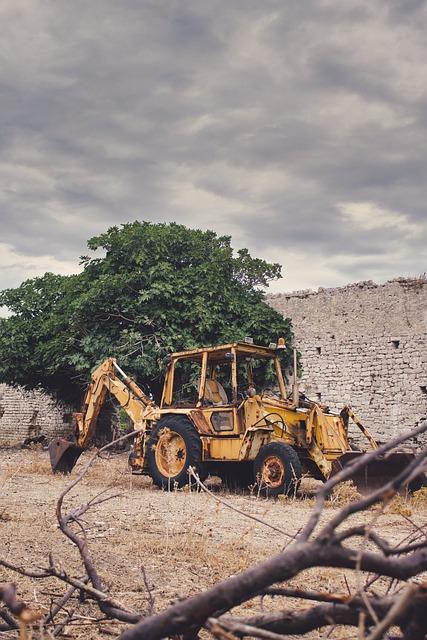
(226, 411)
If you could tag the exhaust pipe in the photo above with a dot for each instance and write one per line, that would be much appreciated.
(295, 386)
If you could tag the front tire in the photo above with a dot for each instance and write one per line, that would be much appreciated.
(173, 446)
(277, 469)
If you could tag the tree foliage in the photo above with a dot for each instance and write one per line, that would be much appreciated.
(156, 288)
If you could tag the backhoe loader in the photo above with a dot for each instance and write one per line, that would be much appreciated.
(226, 411)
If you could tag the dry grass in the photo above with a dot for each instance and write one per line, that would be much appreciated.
(6, 477)
(104, 471)
(400, 505)
(113, 472)
(408, 504)
(10, 444)
(37, 466)
(419, 499)
(343, 494)
(186, 541)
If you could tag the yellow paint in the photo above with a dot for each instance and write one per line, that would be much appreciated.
(223, 449)
(254, 421)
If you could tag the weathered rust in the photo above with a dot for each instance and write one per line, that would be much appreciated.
(63, 455)
(380, 471)
(200, 422)
(273, 472)
(253, 441)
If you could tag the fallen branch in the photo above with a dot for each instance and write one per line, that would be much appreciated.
(326, 550)
(111, 608)
(24, 615)
(332, 546)
(204, 488)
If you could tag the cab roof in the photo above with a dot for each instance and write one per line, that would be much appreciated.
(242, 349)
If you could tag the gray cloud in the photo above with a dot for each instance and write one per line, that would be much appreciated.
(299, 128)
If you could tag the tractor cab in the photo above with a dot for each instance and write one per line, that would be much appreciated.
(225, 391)
(223, 376)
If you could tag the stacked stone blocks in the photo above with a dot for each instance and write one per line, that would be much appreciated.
(364, 344)
(26, 414)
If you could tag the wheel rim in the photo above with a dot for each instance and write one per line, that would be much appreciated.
(171, 453)
(273, 472)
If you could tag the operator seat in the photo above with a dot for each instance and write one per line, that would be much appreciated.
(215, 392)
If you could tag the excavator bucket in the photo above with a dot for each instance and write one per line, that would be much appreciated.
(63, 455)
(379, 472)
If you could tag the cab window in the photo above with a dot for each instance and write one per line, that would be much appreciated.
(218, 386)
(185, 382)
(256, 374)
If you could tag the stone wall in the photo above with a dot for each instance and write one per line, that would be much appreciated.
(30, 413)
(364, 344)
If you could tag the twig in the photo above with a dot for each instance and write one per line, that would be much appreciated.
(317, 596)
(398, 608)
(347, 472)
(248, 630)
(151, 600)
(62, 602)
(229, 506)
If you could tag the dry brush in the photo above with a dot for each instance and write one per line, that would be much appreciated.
(335, 543)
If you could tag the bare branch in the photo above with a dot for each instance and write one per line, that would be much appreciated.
(246, 629)
(151, 600)
(17, 608)
(61, 603)
(54, 572)
(318, 596)
(347, 472)
(326, 550)
(398, 608)
(385, 492)
(111, 608)
(230, 506)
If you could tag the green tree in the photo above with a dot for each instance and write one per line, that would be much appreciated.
(157, 288)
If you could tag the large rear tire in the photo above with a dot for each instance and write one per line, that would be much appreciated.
(277, 469)
(173, 446)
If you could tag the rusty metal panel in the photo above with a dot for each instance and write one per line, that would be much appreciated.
(253, 441)
(206, 448)
(376, 473)
(200, 422)
(63, 455)
(221, 448)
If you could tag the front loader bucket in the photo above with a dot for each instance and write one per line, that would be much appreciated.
(380, 471)
(63, 455)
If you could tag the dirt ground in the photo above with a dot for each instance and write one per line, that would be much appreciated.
(185, 541)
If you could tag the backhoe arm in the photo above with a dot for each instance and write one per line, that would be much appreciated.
(347, 413)
(130, 397)
(139, 407)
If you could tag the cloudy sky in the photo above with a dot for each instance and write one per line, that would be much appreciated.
(296, 126)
